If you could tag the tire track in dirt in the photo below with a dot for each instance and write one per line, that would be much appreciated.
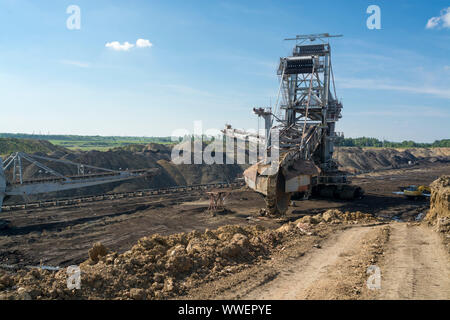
(297, 281)
(416, 265)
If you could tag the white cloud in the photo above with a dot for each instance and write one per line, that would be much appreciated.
(126, 46)
(76, 63)
(442, 21)
(115, 45)
(143, 43)
(432, 22)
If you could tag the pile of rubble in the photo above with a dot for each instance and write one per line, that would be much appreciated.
(156, 267)
(160, 267)
(335, 216)
(332, 216)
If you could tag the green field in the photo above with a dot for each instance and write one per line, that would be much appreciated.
(87, 143)
(102, 145)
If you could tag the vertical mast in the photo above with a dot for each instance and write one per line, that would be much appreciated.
(310, 108)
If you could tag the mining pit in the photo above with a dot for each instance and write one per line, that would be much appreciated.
(60, 236)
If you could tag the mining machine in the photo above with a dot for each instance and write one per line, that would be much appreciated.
(301, 129)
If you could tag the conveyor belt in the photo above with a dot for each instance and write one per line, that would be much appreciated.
(121, 195)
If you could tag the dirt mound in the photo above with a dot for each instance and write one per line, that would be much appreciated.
(439, 213)
(332, 216)
(156, 267)
(97, 252)
(159, 267)
(428, 152)
(335, 216)
(358, 160)
(440, 198)
(10, 145)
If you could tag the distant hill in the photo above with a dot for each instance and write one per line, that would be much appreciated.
(10, 145)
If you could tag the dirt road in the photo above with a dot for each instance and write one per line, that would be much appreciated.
(416, 265)
(303, 275)
(411, 258)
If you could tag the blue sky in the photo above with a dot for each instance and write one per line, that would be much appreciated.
(214, 61)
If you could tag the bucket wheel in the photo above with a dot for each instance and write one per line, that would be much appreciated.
(277, 201)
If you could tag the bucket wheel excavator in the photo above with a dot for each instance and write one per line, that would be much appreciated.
(300, 132)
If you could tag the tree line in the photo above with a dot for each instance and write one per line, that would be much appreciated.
(374, 142)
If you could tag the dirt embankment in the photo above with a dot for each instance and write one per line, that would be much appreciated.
(439, 213)
(159, 267)
(358, 160)
(429, 152)
(440, 199)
